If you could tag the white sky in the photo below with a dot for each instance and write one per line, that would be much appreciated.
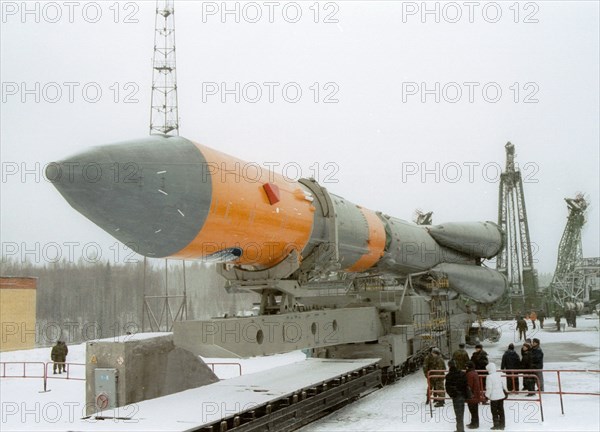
(371, 134)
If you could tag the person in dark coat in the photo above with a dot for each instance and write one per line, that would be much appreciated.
(461, 357)
(571, 315)
(480, 359)
(557, 318)
(537, 361)
(528, 382)
(456, 387)
(511, 360)
(541, 317)
(522, 327)
(433, 363)
(54, 356)
(527, 341)
(476, 391)
(64, 350)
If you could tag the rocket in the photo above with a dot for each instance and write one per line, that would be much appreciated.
(169, 197)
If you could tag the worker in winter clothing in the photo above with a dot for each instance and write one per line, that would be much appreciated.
(511, 360)
(426, 362)
(460, 357)
(522, 327)
(541, 316)
(528, 382)
(456, 387)
(64, 350)
(533, 317)
(537, 361)
(480, 358)
(54, 356)
(495, 391)
(527, 341)
(473, 403)
(435, 363)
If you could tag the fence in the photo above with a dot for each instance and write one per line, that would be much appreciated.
(213, 364)
(515, 374)
(40, 370)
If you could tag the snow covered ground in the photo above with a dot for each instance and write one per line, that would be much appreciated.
(398, 407)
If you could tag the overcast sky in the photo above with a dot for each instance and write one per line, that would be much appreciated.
(524, 72)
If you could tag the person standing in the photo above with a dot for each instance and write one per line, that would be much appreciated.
(527, 341)
(456, 387)
(537, 362)
(522, 327)
(460, 357)
(426, 362)
(571, 318)
(533, 317)
(64, 350)
(495, 391)
(541, 316)
(511, 360)
(435, 363)
(55, 356)
(473, 403)
(557, 318)
(480, 359)
(526, 365)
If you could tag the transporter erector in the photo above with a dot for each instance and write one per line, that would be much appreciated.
(334, 277)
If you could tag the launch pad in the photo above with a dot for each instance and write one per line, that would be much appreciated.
(284, 398)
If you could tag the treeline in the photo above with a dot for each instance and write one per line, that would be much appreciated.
(82, 301)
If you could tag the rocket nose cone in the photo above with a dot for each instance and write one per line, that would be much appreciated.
(152, 194)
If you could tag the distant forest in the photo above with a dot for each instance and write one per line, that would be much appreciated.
(82, 301)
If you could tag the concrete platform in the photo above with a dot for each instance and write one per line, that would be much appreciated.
(196, 408)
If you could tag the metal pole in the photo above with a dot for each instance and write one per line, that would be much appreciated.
(144, 295)
(166, 295)
(184, 316)
(562, 409)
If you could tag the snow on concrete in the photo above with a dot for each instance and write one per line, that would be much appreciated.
(401, 407)
(397, 407)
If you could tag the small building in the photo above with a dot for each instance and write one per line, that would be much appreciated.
(17, 313)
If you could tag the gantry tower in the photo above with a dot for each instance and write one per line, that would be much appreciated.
(516, 259)
(164, 120)
(568, 281)
(164, 116)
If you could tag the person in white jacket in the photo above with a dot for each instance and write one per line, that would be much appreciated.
(496, 391)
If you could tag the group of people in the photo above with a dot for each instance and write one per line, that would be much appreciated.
(532, 358)
(58, 354)
(474, 380)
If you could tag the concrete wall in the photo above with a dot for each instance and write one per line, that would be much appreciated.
(148, 366)
(17, 313)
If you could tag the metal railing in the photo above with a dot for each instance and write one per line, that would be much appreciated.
(212, 365)
(24, 373)
(42, 372)
(515, 374)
